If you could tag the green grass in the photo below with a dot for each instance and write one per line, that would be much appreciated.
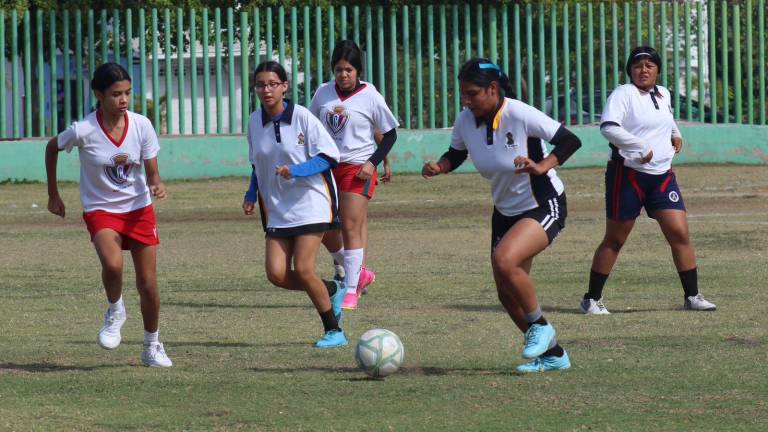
(243, 349)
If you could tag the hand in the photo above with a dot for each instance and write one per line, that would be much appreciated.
(366, 171)
(677, 143)
(647, 158)
(284, 172)
(431, 169)
(158, 191)
(527, 166)
(248, 207)
(387, 177)
(56, 205)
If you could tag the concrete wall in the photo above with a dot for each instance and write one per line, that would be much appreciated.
(188, 157)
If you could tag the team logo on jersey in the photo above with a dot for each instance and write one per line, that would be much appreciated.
(510, 140)
(300, 139)
(674, 197)
(337, 119)
(118, 172)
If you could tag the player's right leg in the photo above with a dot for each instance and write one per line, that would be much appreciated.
(108, 244)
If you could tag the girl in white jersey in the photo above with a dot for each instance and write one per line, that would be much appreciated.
(292, 154)
(637, 121)
(504, 138)
(352, 111)
(113, 144)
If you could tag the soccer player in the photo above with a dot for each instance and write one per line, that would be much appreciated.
(505, 139)
(292, 154)
(351, 111)
(113, 144)
(637, 121)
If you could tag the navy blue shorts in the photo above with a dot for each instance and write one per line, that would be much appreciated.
(551, 216)
(628, 190)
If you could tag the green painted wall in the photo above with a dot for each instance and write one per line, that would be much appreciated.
(227, 155)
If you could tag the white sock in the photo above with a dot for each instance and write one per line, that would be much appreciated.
(338, 256)
(117, 306)
(353, 262)
(150, 338)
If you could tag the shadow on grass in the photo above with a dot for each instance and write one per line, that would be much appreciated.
(558, 309)
(45, 367)
(408, 371)
(235, 306)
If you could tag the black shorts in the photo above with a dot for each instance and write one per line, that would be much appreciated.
(301, 230)
(551, 216)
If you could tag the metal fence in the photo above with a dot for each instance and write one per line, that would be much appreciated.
(191, 68)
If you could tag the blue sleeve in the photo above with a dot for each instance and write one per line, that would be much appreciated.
(316, 165)
(250, 196)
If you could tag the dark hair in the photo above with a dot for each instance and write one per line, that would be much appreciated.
(271, 66)
(349, 51)
(107, 74)
(642, 52)
(482, 72)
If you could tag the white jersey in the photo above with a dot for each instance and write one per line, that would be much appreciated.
(297, 137)
(517, 130)
(351, 120)
(648, 118)
(111, 175)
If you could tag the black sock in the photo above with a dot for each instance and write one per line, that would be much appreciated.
(329, 320)
(541, 321)
(596, 284)
(690, 281)
(330, 286)
(556, 351)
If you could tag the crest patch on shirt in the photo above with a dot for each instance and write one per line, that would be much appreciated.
(118, 172)
(300, 139)
(510, 140)
(337, 119)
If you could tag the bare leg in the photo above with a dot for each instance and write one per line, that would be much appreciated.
(674, 225)
(616, 234)
(108, 247)
(145, 263)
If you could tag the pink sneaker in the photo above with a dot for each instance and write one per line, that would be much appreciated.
(350, 301)
(367, 277)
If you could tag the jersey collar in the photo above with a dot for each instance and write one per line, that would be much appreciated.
(286, 116)
(496, 117)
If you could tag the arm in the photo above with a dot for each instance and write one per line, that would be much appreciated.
(677, 138)
(55, 203)
(566, 144)
(316, 165)
(448, 162)
(624, 140)
(156, 185)
(250, 196)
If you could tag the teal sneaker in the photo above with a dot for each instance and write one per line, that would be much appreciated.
(336, 300)
(545, 364)
(537, 339)
(332, 339)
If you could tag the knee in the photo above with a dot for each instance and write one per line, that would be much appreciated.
(506, 266)
(278, 279)
(304, 274)
(679, 237)
(146, 286)
(612, 243)
(113, 268)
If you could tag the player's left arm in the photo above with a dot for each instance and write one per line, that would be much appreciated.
(677, 137)
(566, 144)
(155, 183)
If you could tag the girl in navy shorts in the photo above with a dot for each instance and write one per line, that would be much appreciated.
(638, 122)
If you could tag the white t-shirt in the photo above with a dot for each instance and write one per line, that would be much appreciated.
(297, 137)
(652, 124)
(352, 120)
(518, 130)
(111, 175)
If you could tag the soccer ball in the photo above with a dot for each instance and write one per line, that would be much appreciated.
(379, 353)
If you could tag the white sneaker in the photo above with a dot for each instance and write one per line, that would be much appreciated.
(699, 303)
(593, 307)
(154, 356)
(109, 334)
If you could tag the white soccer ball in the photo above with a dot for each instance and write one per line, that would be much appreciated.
(379, 353)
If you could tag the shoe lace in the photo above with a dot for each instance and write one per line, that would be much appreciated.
(532, 335)
(600, 305)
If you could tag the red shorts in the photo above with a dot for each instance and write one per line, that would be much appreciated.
(345, 175)
(139, 225)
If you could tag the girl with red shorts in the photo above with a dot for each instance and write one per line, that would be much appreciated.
(113, 144)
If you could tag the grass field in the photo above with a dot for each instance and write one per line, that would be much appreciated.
(243, 349)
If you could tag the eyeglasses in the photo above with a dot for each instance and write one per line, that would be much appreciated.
(260, 86)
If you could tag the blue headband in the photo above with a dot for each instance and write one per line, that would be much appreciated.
(488, 66)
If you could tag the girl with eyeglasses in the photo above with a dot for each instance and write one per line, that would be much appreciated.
(291, 154)
(505, 140)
